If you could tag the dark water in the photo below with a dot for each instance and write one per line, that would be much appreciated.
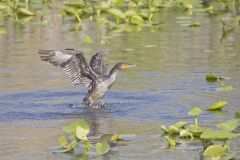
(37, 100)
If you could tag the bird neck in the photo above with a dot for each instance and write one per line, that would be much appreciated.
(113, 73)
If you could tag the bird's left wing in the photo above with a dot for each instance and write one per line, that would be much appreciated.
(97, 64)
(72, 62)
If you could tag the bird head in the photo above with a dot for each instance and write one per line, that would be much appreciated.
(124, 65)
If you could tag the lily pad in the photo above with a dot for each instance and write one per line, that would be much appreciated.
(71, 128)
(218, 135)
(164, 129)
(212, 77)
(237, 114)
(137, 19)
(63, 141)
(25, 12)
(195, 24)
(82, 132)
(217, 106)
(173, 130)
(110, 138)
(229, 125)
(185, 133)
(195, 130)
(171, 141)
(195, 112)
(87, 40)
(214, 151)
(116, 13)
(102, 148)
(180, 124)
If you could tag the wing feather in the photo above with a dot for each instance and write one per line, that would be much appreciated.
(71, 61)
(98, 65)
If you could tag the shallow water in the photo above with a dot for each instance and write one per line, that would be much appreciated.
(37, 100)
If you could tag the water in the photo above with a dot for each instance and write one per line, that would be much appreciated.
(37, 100)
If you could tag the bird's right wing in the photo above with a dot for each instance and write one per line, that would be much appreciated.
(72, 62)
(97, 64)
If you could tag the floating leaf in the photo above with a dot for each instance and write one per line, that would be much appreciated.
(164, 129)
(130, 13)
(185, 133)
(110, 138)
(102, 148)
(115, 138)
(136, 19)
(171, 141)
(218, 135)
(63, 141)
(117, 13)
(195, 130)
(88, 40)
(217, 106)
(212, 77)
(25, 12)
(195, 112)
(214, 151)
(71, 128)
(196, 24)
(229, 125)
(180, 124)
(173, 129)
(237, 114)
(82, 132)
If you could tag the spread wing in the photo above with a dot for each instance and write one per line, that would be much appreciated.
(72, 62)
(97, 64)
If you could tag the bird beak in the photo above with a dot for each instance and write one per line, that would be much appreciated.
(128, 66)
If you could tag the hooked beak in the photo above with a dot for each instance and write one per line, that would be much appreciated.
(128, 66)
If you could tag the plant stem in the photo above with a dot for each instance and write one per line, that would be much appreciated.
(196, 121)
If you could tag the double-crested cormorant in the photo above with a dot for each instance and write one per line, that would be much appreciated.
(95, 74)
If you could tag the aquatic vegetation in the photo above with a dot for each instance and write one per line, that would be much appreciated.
(77, 136)
(206, 136)
(217, 106)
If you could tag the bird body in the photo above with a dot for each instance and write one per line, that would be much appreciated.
(95, 74)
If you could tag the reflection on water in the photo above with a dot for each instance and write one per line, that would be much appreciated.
(36, 99)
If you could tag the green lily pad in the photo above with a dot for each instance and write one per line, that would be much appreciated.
(71, 128)
(195, 24)
(212, 77)
(195, 130)
(164, 129)
(116, 13)
(180, 124)
(229, 125)
(63, 141)
(136, 19)
(217, 106)
(130, 13)
(237, 114)
(214, 151)
(171, 141)
(185, 133)
(173, 130)
(110, 138)
(25, 12)
(195, 112)
(218, 135)
(226, 88)
(102, 148)
(82, 132)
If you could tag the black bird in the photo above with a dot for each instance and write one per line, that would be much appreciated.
(95, 74)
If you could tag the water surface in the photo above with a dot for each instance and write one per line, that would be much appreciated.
(37, 100)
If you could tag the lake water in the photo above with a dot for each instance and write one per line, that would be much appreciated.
(37, 100)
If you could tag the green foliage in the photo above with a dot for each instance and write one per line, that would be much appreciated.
(217, 106)
(171, 142)
(102, 148)
(195, 112)
(214, 151)
(212, 77)
(229, 125)
(217, 135)
(71, 128)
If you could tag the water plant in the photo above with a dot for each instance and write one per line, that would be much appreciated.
(77, 137)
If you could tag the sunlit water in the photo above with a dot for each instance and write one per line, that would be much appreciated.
(37, 100)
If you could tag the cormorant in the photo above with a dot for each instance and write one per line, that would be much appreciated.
(95, 74)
